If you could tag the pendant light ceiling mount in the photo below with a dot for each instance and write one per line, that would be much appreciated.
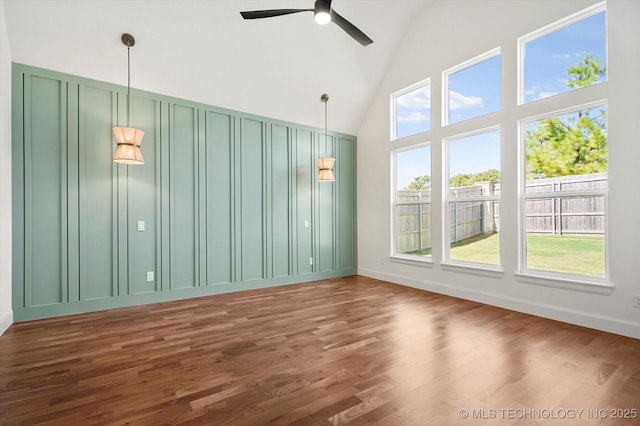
(128, 138)
(128, 40)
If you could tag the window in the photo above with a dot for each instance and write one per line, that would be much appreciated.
(565, 189)
(412, 202)
(411, 110)
(564, 56)
(473, 197)
(472, 89)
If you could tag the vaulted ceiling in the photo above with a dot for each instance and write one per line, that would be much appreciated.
(202, 50)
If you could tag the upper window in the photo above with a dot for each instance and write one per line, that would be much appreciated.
(412, 202)
(472, 89)
(564, 56)
(411, 110)
(473, 197)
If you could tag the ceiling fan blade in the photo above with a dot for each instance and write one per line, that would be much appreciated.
(258, 14)
(350, 29)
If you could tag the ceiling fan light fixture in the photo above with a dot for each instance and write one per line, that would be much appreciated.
(322, 12)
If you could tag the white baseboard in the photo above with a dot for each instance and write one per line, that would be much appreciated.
(5, 321)
(558, 313)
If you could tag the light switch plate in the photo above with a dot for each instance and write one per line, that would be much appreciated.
(141, 225)
(150, 276)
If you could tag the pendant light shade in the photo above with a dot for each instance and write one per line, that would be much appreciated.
(128, 150)
(325, 164)
(128, 138)
(326, 169)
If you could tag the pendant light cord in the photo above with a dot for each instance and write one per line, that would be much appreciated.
(128, 86)
(325, 125)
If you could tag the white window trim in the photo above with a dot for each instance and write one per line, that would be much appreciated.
(447, 200)
(402, 257)
(551, 278)
(392, 109)
(548, 29)
(466, 64)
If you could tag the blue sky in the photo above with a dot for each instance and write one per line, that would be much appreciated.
(549, 57)
(547, 60)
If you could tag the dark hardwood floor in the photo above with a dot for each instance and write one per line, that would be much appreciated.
(352, 350)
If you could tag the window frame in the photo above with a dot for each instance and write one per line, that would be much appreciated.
(448, 200)
(523, 196)
(393, 108)
(395, 203)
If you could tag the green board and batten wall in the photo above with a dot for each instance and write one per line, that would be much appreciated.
(230, 201)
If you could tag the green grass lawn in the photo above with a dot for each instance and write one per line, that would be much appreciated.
(573, 254)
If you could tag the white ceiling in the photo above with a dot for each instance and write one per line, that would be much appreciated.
(202, 50)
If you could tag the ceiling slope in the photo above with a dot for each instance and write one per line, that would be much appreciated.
(202, 50)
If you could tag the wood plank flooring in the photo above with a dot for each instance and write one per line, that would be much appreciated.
(351, 350)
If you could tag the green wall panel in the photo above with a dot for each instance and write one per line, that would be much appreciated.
(305, 179)
(281, 242)
(98, 218)
(346, 180)
(326, 212)
(229, 200)
(252, 141)
(143, 195)
(183, 196)
(219, 198)
(45, 151)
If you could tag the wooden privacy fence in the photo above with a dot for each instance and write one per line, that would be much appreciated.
(560, 213)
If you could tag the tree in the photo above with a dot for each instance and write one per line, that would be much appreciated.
(575, 143)
(420, 183)
(465, 179)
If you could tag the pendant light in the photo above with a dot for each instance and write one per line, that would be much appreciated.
(128, 138)
(326, 163)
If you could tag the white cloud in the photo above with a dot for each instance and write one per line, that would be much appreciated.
(542, 95)
(562, 55)
(415, 100)
(414, 117)
(460, 101)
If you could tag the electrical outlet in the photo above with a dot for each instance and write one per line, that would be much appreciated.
(311, 261)
(141, 225)
(150, 276)
(636, 301)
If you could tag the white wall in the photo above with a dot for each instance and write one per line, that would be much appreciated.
(444, 35)
(6, 314)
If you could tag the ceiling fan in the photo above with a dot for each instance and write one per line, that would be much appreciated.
(323, 14)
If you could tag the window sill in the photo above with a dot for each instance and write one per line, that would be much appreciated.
(412, 260)
(566, 283)
(479, 269)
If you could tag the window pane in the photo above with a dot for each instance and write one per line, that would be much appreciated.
(474, 232)
(474, 172)
(566, 59)
(563, 154)
(474, 164)
(413, 197)
(474, 91)
(567, 152)
(566, 235)
(413, 229)
(413, 173)
(412, 111)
